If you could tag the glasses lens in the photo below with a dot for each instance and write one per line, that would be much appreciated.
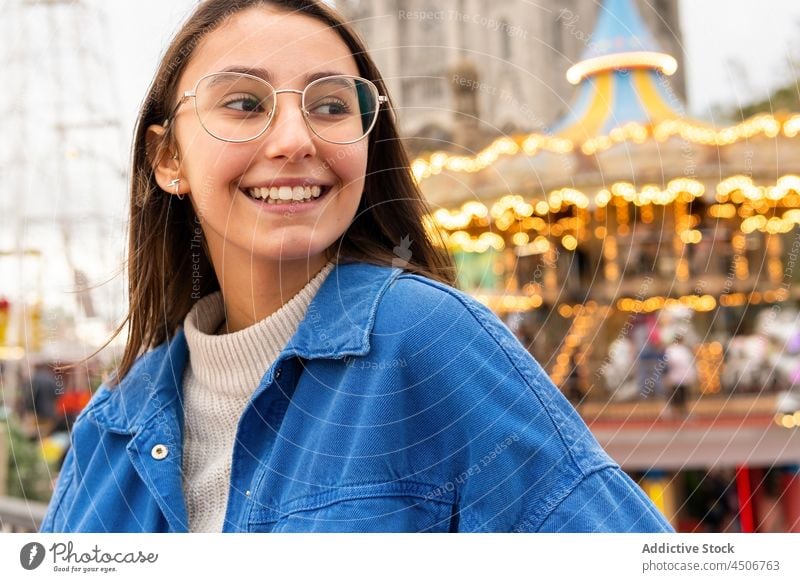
(233, 107)
(341, 109)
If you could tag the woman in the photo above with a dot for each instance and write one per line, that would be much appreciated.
(308, 365)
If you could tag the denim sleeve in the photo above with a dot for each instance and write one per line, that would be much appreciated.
(535, 466)
(51, 524)
(606, 501)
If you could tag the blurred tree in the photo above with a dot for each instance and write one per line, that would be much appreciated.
(784, 99)
(29, 475)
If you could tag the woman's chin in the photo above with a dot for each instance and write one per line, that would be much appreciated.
(306, 253)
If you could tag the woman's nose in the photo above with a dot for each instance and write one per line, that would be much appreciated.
(288, 135)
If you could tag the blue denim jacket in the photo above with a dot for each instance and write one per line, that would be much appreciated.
(400, 405)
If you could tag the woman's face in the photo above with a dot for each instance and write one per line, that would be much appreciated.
(220, 177)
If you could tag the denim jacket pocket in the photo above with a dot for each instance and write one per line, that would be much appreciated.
(385, 507)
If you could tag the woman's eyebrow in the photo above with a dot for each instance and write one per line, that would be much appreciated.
(321, 74)
(267, 76)
(255, 71)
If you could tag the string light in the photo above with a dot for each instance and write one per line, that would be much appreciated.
(611, 269)
(788, 420)
(464, 242)
(694, 302)
(758, 208)
(765, 124)
(709, 364)
(586, 319)
(701, 303)
(506, 303)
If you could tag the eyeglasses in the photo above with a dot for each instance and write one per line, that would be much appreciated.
(237, 107)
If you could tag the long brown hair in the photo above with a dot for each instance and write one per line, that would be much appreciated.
(162, 274)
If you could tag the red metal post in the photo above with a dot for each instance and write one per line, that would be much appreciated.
(744, 494)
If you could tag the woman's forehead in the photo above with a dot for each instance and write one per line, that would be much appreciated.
(288, 46)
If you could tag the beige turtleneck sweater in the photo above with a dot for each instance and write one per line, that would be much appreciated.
(221, 376)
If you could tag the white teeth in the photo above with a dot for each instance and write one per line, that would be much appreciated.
(286, 194)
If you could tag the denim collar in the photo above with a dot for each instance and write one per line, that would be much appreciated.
(338, 323)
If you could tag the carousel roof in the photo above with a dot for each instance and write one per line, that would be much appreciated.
(611, 100)
(620, 40)
(622, 80)
(620, 77)
(623, 95)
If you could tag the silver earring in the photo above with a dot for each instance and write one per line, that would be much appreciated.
(176, 184)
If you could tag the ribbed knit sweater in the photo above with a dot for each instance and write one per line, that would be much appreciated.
(222, 374)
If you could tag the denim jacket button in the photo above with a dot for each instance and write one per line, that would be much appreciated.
(159, 452)
(277, 373)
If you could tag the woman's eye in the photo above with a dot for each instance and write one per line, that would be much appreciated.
(247, 104)
(331, 108)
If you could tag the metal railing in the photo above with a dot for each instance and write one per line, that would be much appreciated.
(20, 516)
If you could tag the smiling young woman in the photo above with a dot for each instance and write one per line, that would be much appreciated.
(297, 357)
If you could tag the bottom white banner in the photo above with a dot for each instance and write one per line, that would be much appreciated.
(353, 557)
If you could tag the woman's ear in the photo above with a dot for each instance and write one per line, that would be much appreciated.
(164, 161)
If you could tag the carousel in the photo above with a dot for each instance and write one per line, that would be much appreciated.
(650, 263)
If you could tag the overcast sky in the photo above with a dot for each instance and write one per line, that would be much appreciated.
(737, 50)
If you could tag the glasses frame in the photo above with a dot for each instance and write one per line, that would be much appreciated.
(275, 92)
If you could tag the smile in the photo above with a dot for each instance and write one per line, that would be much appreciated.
(287, 194)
